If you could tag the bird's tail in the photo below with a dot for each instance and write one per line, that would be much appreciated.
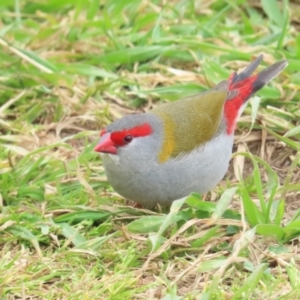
(255, 82)
(243, 85)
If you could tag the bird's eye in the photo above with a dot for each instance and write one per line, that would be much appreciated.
(128, 138)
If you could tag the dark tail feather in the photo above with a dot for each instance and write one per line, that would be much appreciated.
(268, 74)
(248, 71)
(259, 80)
(242, 86)
(264, 76)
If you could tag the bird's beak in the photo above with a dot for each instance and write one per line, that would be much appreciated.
(106, 145)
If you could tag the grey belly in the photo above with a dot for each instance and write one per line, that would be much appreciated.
(152, 183)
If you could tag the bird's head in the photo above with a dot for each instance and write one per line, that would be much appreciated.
(137, 133)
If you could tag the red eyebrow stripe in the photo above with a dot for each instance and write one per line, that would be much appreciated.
(142, 130)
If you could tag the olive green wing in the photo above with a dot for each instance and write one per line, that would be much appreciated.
(191, 122)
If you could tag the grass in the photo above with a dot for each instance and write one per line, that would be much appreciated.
(70, 67)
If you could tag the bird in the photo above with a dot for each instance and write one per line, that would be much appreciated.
(179, 147)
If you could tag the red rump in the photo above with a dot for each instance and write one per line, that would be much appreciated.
(118, 137)
(232, 106)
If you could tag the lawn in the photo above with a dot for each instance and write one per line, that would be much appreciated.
(68, 68)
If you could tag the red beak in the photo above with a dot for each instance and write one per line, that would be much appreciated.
(106, 145)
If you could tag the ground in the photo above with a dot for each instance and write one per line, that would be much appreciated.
(68, 68)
